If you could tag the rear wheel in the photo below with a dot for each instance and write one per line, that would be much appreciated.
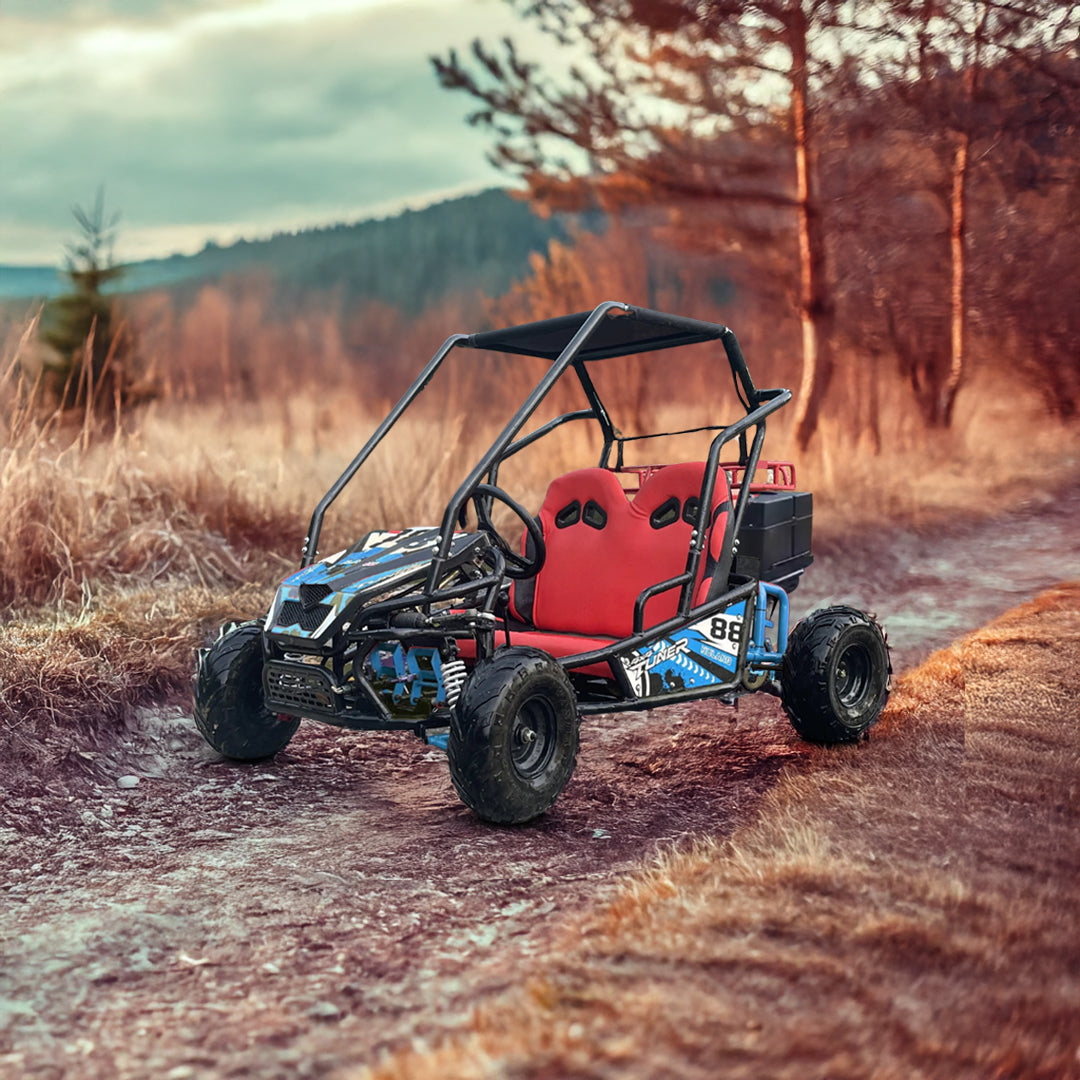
(229, 708)
(514, 736)
(835, 675)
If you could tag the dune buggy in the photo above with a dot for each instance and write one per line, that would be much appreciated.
(633, 586)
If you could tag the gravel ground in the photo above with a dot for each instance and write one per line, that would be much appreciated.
(301, 915)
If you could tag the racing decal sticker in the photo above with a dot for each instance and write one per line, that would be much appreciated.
(704, 654)
(723, 634)
(308, 601)
(383, 557)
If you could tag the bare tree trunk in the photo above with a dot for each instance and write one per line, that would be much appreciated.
(873, 377)
(958, 206)
(957, 296)
(814, 309)
(226, 358)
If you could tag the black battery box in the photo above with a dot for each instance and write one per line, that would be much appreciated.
(774, 538)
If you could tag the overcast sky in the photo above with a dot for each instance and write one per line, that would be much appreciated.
(213, 119)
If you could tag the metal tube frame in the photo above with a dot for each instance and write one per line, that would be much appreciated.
(759, 404)
(496, 451)
(310, 550)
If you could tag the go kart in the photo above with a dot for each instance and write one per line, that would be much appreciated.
(632, 587)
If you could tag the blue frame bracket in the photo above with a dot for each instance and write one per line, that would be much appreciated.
(757, 654)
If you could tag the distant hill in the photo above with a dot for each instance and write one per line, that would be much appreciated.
(30, 282)
(477, 242)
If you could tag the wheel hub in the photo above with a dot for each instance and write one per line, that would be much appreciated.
(853, 675)
(532, 740)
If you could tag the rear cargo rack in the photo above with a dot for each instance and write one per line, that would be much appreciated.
(779, 475)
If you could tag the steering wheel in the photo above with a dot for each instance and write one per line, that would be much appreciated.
(517, 565)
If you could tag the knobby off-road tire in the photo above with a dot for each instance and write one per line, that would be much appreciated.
(835, 675)
(513, 736)
(229, 708)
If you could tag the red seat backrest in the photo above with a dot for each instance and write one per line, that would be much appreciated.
(682, 483)
(603, 549)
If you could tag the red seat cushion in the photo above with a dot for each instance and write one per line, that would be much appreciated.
(603, 549)
(555, 644)
(586, 521)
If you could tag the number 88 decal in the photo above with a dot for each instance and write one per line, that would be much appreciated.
(724, 629)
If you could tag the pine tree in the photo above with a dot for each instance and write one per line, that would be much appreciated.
(88, 348)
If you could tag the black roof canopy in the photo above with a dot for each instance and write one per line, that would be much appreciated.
(626, 330)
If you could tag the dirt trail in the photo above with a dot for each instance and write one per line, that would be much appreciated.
(929, 588)
(289, 918)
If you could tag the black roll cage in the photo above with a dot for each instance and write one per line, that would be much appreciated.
(611, 329)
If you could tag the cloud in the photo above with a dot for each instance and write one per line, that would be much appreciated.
(98, 11)
(242, 115)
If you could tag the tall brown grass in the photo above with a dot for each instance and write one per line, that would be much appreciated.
(127, 539)
(903, 908)
(218, 493)
(211, 486)
(69, 682)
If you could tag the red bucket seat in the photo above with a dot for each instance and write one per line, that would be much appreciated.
(603, 549)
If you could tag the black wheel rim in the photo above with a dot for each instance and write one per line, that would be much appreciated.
(853, 676)
(532, 738)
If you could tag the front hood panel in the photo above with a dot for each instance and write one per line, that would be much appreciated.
(310, 602)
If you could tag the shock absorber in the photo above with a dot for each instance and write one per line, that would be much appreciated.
(453, 677)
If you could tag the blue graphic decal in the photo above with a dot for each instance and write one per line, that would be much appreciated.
(705, 654)
(305, 612)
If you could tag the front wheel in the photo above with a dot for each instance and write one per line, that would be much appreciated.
(229, 709)
(835, 675)
(513, 736)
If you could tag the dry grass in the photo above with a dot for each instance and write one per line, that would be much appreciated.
(125, 544)
(69, 683)
(191, 496)
(215, 491)
(1003, 450)
(120, 555)
(905, 908)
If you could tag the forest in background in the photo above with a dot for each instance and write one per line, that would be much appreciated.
(409, 260)
(888, 231)
(903, 174)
